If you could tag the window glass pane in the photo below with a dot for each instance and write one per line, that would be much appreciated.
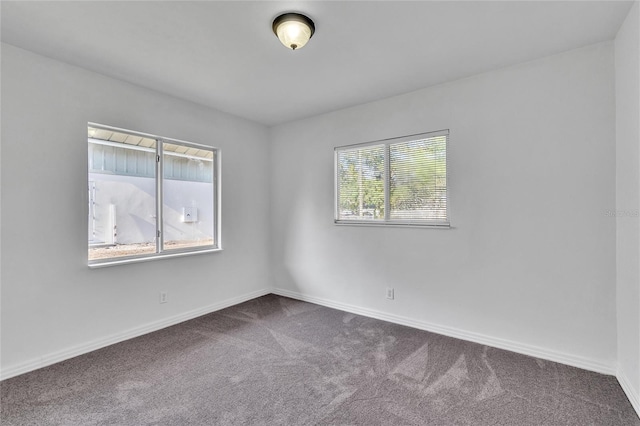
(122, 201)
(417, 186)
(361, 183)
(188, 212)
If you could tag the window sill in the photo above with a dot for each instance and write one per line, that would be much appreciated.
(165, 255)
(442, 225)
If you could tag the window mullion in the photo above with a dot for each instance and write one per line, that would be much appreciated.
(159, 192)
(336, 185)
(387, 180)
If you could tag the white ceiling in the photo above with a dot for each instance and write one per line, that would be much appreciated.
(223, 54)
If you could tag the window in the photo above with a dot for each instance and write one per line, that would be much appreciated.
(400, 181)
(150, 196)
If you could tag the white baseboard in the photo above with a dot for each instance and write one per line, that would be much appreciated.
(496, 342)
(509, 345)
(84, 348)
(632, 394)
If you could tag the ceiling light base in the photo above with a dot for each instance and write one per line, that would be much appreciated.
(293, 29)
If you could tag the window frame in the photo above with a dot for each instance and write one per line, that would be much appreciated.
(161, 252)
(386, 221)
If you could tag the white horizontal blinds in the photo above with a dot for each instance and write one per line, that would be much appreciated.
(400, 181)
(418, 180)
(360, 180)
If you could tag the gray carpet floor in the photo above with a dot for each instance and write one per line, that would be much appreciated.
(278, 361)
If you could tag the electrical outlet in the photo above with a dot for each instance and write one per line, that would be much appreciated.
(163, 297)
(390, 293)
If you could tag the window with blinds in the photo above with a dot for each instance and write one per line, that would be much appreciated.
(400, 181)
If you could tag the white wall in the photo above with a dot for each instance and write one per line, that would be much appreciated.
(530, 261)
(53, 305)
(627, 65)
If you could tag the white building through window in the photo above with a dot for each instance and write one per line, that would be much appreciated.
(150, 196)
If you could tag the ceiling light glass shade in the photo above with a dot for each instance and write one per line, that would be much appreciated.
(293, 30)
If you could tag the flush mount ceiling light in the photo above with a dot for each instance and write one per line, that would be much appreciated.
(293, 29)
